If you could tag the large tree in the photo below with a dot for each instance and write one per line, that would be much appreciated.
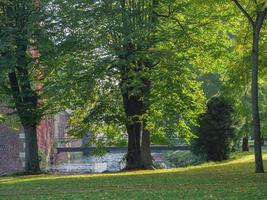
(18, 22)
(121, 67)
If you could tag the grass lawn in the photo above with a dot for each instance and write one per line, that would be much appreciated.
(234, 179)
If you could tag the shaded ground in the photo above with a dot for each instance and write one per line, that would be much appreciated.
(234, 179)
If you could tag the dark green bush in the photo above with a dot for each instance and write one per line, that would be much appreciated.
(216, 132)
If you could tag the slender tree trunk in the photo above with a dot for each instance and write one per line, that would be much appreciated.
(262, 140)
(255, 103)
(245, 144)
(31, 149)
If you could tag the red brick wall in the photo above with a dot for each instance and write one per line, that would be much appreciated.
(45, 141)
(10, 147)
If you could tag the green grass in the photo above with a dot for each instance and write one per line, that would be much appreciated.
(233, 179)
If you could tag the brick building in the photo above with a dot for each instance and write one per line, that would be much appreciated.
(51, 133)
(12, 143)
(11, 146)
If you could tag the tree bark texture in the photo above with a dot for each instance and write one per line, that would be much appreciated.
(255, 101)
(146, 157)
(138, 155)
(133, 109)
(31, 150)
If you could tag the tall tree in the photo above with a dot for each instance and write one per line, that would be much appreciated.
(18, 23)
(132, 73)
(261, 11)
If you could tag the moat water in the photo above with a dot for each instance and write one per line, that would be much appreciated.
(77, 163)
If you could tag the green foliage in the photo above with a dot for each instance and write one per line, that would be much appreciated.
(11, 121)
(175, 45)
(216, 132)
(2, 119)
(19, 23)
(212, 85)
(184, 158)
(110, 49)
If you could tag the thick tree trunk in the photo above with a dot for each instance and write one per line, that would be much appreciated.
(138, 155)
(31, 149)
(255, 103)
(133, 109)
(146, 157)
(24, 96)
(26, 105)
(133, 157)
(245, 144)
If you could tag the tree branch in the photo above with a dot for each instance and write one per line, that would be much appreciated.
(260, 19)
(244, 12)
(172, 18)
(15, 90)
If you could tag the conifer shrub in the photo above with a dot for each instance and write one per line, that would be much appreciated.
(215, 136)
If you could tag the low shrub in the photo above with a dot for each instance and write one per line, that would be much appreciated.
(183, 158)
